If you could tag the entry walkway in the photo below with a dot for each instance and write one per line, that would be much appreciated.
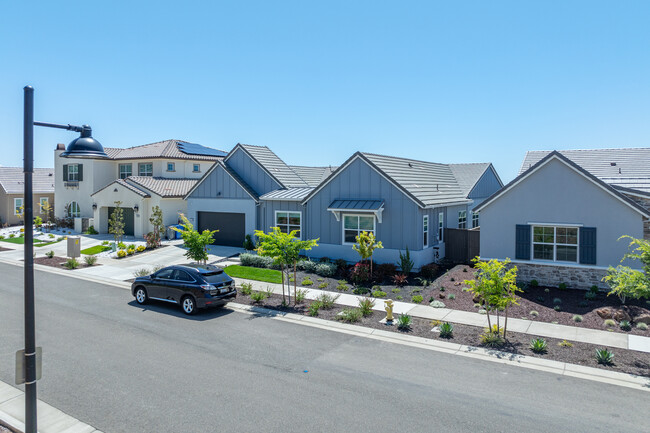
(541, 329)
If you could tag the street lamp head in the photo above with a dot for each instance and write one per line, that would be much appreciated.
(84, 146)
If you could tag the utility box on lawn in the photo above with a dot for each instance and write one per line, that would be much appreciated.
(74, 247)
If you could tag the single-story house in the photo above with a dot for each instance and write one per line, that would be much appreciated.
(560, 220)
(406, 203)
(12, 193)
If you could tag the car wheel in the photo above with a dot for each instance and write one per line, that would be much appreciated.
(141, 295)
(189, 305)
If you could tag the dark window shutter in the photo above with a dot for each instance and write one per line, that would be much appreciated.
(81, 172)
(588, 245)
(65, 172)
(522, 242)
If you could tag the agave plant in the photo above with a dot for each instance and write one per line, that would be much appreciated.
(538, 345)
(404, 322)
(446, 330)
(604, 357)
(625, 325)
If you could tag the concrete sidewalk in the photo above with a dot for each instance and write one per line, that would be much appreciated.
(50, 419)
(541, 329)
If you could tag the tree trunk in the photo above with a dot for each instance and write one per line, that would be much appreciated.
(371, 268)
(282, 274)
(505, 324)
(488, 315)
(295, 284)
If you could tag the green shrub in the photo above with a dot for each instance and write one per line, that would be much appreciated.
(590, 296)
(451, 296)
(534, 313)
(642, 326)
(301, 294)
(547, 290)
(399, 297)
(594, 289)
(565, 343)
(604, 357)
(268, 292)
(476, 305)
(246, 288)
(359, 290)
(313, 308)
(557, 308)
(379, 294)
(323, 285)
(72, 264)
(396, 290)
(350, 315)
(307, 282)
(417, 299)
(577, 318)
(492, 338)
(557, 301)
(541, 299)
(141, 248)
(583, 304)
(562, 286)
(437, 304)
(49, 254)
(325, 269)
(342, 287)
(423, 281)
(142, 272)
(538, 345)
(60, 238)
(12, 235)
(405, 263)
(258, 297)
(121, 246)
(103, 242)
(609, 323)
(533, 283)
(446, 330)
(327, 301)
(121, 254)
(51, 236)
(404, 322)
(625, 325)
(365, 306)
(253, 260)
(2, 236)
(91, 231)
(90, 260)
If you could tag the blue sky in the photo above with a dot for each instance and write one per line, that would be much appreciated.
(467, 81)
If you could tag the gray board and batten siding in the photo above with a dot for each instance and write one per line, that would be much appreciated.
(251, 172)
(220, 183)
(558, 194)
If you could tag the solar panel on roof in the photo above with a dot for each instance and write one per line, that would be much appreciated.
(197, 149)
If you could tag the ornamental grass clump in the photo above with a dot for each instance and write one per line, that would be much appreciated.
(90, 260)
(327, 301)
(349, 315)
(404, 322)
(492, 337)
(301, 294)
(49, 254)
(258, 297)
(365, 306)
(72, 264)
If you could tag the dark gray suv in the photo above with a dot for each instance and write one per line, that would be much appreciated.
(191, 286)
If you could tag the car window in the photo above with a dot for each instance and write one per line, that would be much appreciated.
(216, 277)
(182, 275)
(165, 274)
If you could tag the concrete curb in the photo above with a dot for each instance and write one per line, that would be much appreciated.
(556, 367)
(50, 419)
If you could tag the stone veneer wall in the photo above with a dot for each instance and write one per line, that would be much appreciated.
(645, 202)
(553, 275)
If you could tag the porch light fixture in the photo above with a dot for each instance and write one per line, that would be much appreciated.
(94, 206)
(136, 208)
(84, 146)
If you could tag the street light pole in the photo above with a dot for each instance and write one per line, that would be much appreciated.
(83, 147)
(28, 215)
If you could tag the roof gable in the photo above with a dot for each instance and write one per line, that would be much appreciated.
(230, 172)
(554, 155)
(271, 164)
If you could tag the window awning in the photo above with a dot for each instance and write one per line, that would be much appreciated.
(375, 207)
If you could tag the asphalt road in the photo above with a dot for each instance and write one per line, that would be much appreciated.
(123, 368)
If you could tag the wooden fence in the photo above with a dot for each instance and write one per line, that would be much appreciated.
(462, 245)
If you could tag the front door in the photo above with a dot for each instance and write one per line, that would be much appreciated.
(129, 220)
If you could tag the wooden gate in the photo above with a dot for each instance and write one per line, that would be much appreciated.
(462, 245)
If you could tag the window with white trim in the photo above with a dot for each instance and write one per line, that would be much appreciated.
(18, 206)
(353, 225)
(288, 221)
(441, 225)
(462, 219)
(425, 230)
(73, 210)
(555, 243)
(145, 169)
(475, 222)
(44, 201)
(73, 172)
(126, 170)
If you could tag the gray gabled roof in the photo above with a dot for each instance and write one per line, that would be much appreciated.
(629, 168)
(288, 194)
(468, 174)
(274, 166)
(313, 175)
(429, 182)
(172, 149)
(12, 180)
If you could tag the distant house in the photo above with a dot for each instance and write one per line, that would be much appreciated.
(140, 177)
(561, 218)
(406, 203)
(12, 193)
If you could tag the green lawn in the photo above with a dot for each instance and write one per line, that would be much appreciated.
(95, 250)
(257, 274)
(21, 241)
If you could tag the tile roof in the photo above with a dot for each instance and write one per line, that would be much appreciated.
(167, 188)
(356, 204)
(468, 174)
(12, 180)
(126, 185)
(288, 194)
(165, 149)
(629, 168)
(313, 176)
(275, 166)
(429, 183)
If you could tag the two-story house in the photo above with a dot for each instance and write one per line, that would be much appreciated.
(140, 177)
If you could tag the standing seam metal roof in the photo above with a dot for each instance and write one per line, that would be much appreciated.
(271, 162)
(289, 194)
(356, 204)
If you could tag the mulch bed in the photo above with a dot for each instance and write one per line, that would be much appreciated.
(626, 361)
(450, 282)
(59, 262)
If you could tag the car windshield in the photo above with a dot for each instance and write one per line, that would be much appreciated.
(213, 277)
